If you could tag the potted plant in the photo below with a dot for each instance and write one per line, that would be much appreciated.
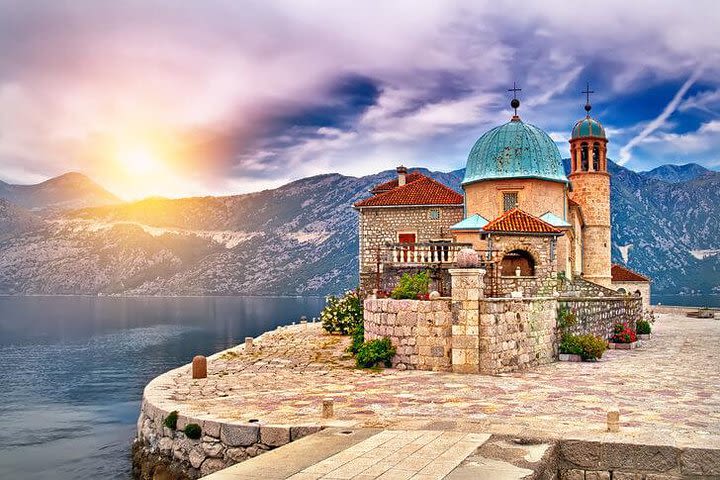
(569, 349)
(623, 338)
(643, 329)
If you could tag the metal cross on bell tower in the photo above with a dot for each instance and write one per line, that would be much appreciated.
(587, 92)
(515, 103)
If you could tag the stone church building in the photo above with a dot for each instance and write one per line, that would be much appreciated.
(534, 226)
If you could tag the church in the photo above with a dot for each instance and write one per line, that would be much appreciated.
(537, 230)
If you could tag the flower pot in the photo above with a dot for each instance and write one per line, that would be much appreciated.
(644, 336)
(622, 346)
(569, 357)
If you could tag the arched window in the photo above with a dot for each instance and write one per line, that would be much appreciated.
(584, 157)
(596, 157)
(518, 259)
(622, 290)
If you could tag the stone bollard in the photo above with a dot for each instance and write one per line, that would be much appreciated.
(249, 347)
(327, 408)
(199, 367)
(613, 421)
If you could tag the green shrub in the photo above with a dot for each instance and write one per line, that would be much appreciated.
(570, 345)
(193, 431)
(410, 286)
(643, 327)
(342, 314)
(358, 337)
(592, 347)
(171, 420)
(566, 318)
(375, 351)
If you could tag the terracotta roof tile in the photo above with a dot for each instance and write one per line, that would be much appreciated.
(421, 191)
(515, 220)
(389, 185)
(619, 273)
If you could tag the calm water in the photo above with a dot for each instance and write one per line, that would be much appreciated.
(687, 300)
(72, 370)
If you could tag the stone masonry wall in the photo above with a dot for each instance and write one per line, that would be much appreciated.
(598, 315)
(516, 333)
(419, 330)
(380, 226)
(539, 247)
(632, 287)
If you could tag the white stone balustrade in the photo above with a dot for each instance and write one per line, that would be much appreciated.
(425, 253)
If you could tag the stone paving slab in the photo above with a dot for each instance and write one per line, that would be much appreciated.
(666, 390)
(387, 455)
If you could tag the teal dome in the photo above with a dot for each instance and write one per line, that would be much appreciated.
(514, 150)
(588, 127)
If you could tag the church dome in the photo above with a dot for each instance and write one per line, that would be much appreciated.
(588, 127)
(514, 150)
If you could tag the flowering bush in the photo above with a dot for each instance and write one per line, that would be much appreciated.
(342, 314)
(643, 327)
(410, 286)
(623, 334)
(382, 294)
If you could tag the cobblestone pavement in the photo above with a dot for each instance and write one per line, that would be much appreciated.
(667, 390)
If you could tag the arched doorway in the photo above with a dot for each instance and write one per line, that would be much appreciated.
(515, 259)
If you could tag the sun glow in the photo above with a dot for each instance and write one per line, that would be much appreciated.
(138, 160)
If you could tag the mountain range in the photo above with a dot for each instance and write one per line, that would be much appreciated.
(69, 236)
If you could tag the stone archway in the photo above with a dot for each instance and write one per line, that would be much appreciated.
(518, 260)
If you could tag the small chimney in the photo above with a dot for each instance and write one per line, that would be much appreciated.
(402, 172)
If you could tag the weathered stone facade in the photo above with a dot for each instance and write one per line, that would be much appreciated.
(380, 227)
(598, 315)
(419, 330)
(592, 191)
(634, 288)
(517, 333)
(474, 334)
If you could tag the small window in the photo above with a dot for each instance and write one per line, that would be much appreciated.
(510, 200)
(434, 214)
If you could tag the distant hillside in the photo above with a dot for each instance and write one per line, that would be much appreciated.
(71, 190)
(676, 173)
(301, 239)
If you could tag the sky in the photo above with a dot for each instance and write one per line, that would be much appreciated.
(179, 98)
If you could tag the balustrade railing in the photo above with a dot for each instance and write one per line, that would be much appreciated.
(426, 253)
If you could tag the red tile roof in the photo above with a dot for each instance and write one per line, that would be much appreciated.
(421, 190)
(620, 273)
(515, 220)
(389, 185)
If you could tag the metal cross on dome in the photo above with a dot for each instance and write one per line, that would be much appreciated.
(587, 92)
(515, 103)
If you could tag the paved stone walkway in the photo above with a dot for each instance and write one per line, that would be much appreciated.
(666, 390)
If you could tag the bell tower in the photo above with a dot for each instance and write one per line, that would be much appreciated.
(591, 190)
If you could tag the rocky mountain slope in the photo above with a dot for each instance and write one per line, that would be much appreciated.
(70, 190)
(301, 239)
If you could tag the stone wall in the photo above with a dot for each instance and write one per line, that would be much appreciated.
(583, 460)
(419, 330)
(540, 248)
(160, 449)
(516, 334)
(379, 227)
(631, 288)
(598, 315)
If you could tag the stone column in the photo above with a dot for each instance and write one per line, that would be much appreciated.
(467, 290)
